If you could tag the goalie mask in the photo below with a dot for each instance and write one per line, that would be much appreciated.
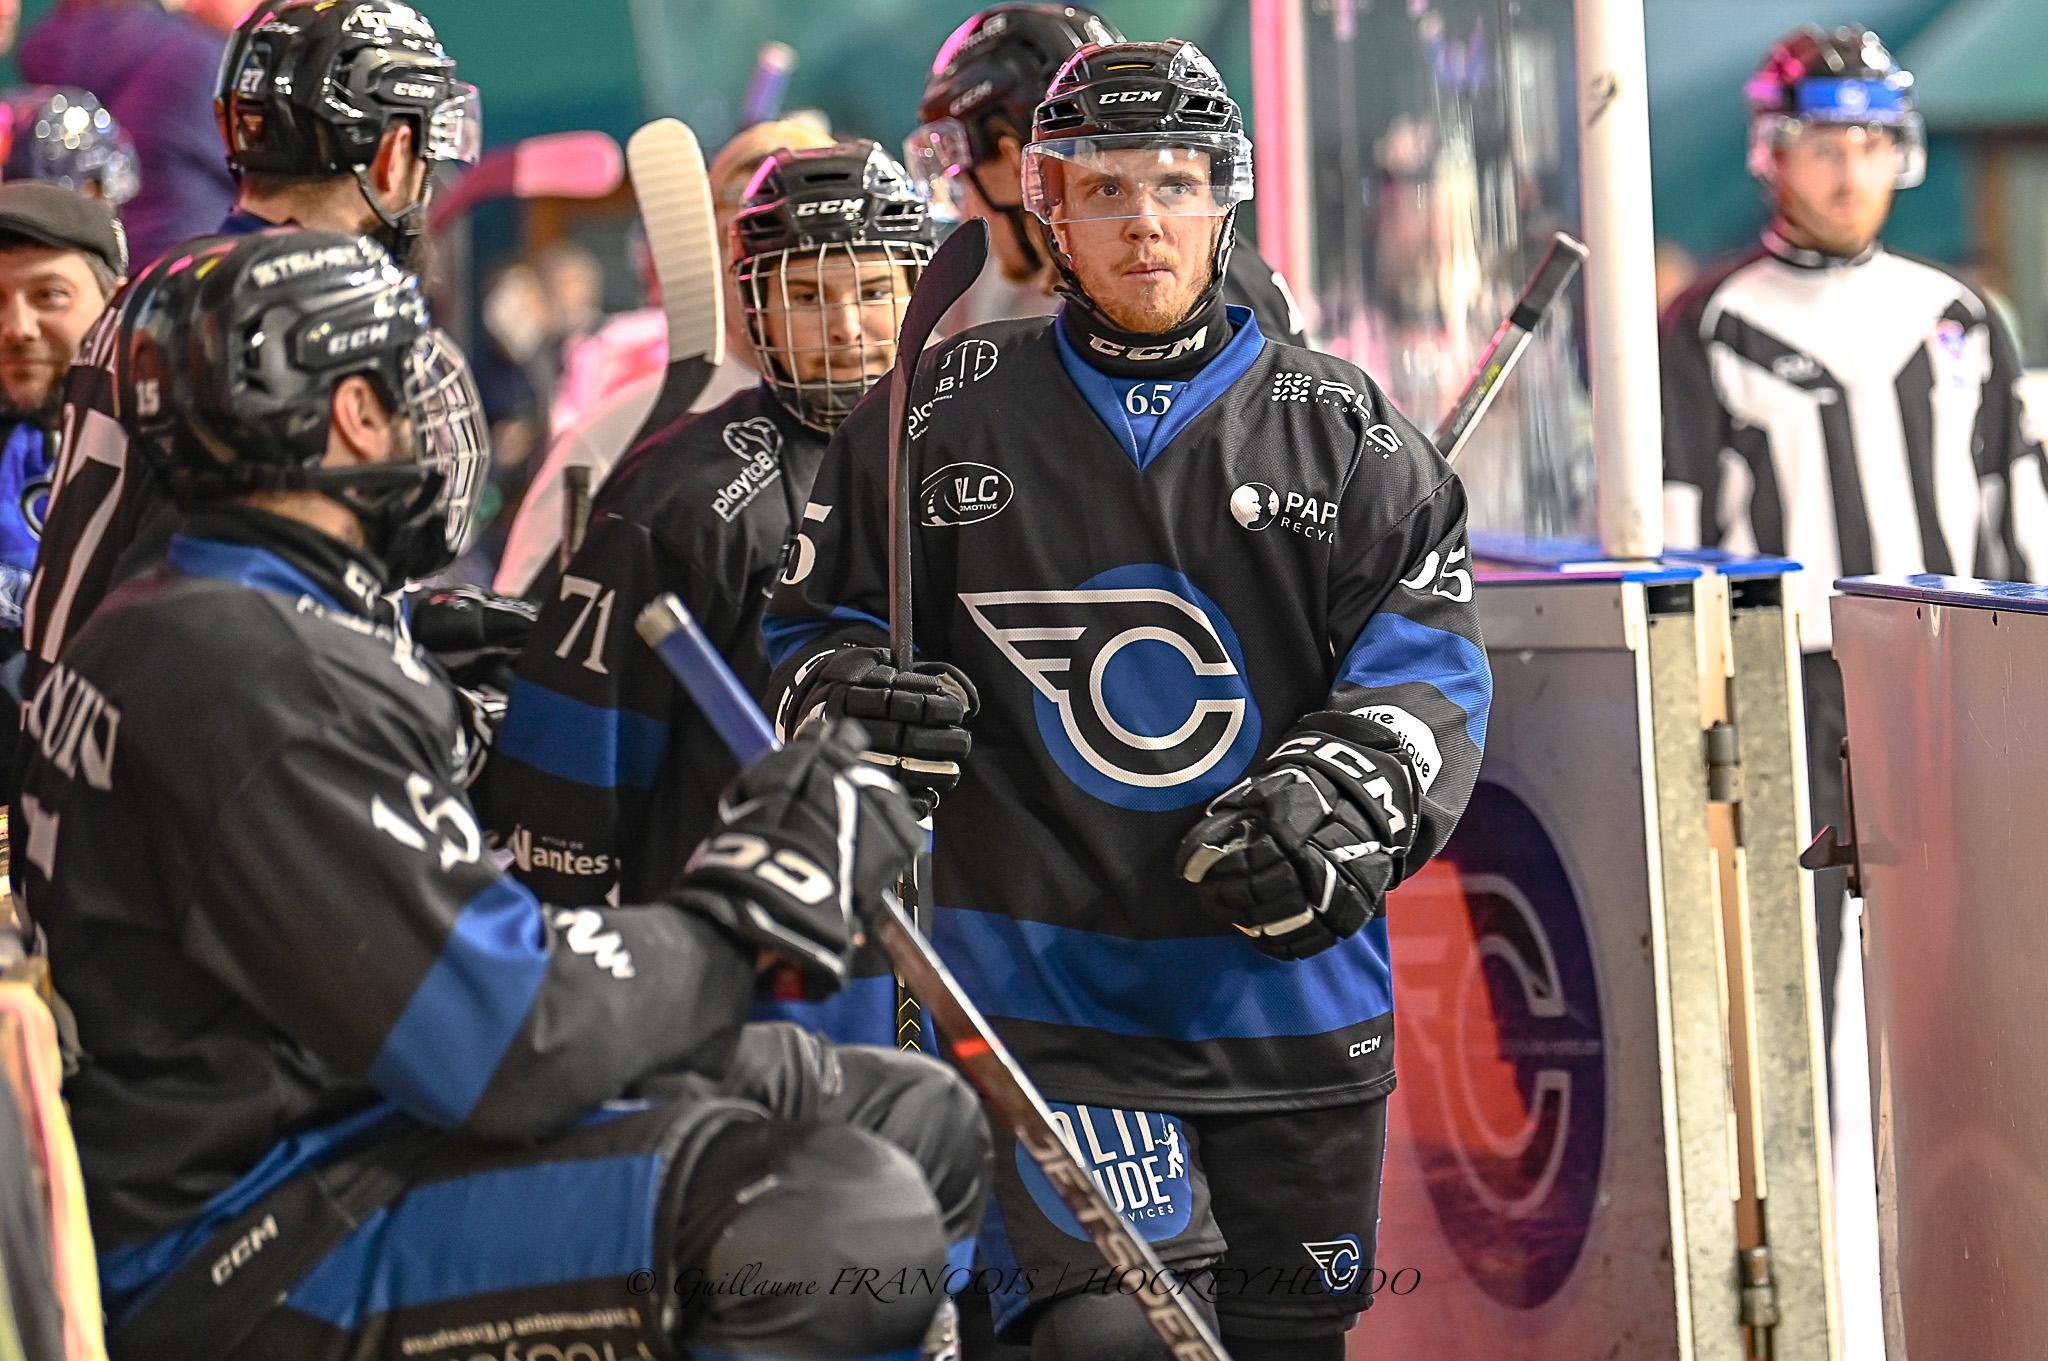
(1138, 130)
(1815, 79)
(229, 354)
(826, 250)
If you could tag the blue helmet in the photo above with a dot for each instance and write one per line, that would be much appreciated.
(63, 135)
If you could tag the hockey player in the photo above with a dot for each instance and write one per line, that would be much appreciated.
(348, 1091)
(606, 770)
(601, 439)
(1839, 403)
(969, 152)
(65, 136)
(1210, 596)
(333, 113)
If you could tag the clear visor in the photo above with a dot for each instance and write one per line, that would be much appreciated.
(456, 131)
(1904, 140)
(938, 155)
(1137, 174)
(824, 320)
(449, 427)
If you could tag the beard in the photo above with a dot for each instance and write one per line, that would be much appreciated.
(41, 404)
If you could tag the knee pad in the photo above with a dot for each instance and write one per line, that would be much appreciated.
(927, 1110)
(1100, 1327)
(807, 1240)
(1326, 1348)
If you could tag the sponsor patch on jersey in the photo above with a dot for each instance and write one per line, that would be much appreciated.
(1951, 336)
(1415, 737)
(966, 363)
(1257, 506)
(1309, 390)
(549, 854)
(1138, 1159)
(964, 494)
(758, 445)
(1341, 1260)
(1143, 698)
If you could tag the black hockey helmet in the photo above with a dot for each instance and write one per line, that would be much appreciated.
(812, 225)
(986, 81)
(1841, 77)
(309, 88)
(63, 135)
(1161, 99)
(227, 359)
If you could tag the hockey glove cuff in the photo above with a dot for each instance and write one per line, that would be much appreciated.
(806, 838)
(1300, 854)
(475, 635)
(916, 720)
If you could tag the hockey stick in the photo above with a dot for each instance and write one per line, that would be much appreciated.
(980, 1054)
(558, 165)
(575, 510)
(1504, 351)
(770, 82)
(682, 236)
(953, 269)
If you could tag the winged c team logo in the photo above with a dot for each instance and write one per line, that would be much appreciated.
(1142, 695)
(1340, 1259)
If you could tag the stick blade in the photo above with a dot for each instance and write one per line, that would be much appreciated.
(674, 196)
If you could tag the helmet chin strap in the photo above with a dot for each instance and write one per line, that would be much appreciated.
(402, 232)
(1020, 221)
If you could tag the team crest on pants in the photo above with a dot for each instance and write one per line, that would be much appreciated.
(1142, 700)
(1139, 1159)
(1340, 1259)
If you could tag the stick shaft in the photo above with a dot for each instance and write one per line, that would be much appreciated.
(1504, 351)
(973, 1046)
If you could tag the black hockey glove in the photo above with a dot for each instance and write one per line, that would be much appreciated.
(777, 873)
(476, 636)
(1300, 854)
(916, 720)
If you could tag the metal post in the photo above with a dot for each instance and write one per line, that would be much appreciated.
(1280, 108)
(1614, 189)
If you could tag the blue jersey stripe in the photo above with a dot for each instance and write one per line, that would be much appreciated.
(128, 1276)
(1393, 650)
(862, 1012)
(785, 634)
(1144, 439)
(254, 567)
(586, 743)
(508, 1230)
(1204, 988)
(439, 1058)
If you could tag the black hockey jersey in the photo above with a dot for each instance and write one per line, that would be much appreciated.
(270, 906)
(1150, 583)
(605, 775)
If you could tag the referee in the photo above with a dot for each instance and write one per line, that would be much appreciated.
(1831, 401)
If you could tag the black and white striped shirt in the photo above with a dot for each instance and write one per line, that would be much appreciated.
(1856, 415)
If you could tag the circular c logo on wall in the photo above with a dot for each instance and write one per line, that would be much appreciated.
(1505, 1067)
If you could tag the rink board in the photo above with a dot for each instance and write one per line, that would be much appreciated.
(1947, 687)
(1559, 1177)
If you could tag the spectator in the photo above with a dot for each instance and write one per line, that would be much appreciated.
(154, 70)
(61, 258)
